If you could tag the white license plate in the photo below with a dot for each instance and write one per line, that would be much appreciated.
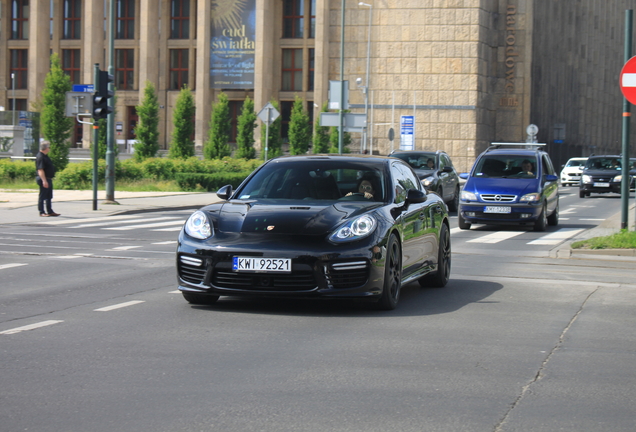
(601, 185)
(261, 265)
(497, 209)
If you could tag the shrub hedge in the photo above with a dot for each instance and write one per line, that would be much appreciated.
(188, 173)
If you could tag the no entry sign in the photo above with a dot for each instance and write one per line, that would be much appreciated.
(628, 80)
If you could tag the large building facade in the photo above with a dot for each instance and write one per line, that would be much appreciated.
(453, 75)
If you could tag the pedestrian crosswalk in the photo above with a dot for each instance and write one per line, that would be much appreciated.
(123, 223)
(552, 238)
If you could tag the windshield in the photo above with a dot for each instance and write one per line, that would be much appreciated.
(603, 163)
(315, 180)
(575, 163)
(503, 166)
(422, 161)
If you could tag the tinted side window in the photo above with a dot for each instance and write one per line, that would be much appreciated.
(403, 180)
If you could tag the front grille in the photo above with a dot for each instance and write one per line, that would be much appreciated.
(192, 269)
(498, 198)
(347, 274)
(300, 279)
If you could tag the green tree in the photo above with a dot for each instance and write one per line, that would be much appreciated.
(147, 130)
(334, 138)
(182, 145)
(246, 126)
(217, 146)
(274, 142)
(321, 135)
(299, 128)
(56, 127)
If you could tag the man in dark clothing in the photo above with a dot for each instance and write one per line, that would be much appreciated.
(46, 172)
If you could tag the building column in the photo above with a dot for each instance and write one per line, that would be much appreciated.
(202, 93)
(39, 42)
(266, 44)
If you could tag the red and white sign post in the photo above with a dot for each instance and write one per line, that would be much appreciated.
(628, 80)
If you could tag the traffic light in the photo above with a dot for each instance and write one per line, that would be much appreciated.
(101, 96)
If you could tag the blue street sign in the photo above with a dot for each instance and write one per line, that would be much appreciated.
(85, 88)
(407, 125)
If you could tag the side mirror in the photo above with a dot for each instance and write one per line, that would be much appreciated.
(415, 196)
(463, 176)
(225, 192)
(447, 169)
(551, 178)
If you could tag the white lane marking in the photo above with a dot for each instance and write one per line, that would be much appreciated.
(165, 242)
(66, 256)
(455, 230)
(82, 220)
(496, 237)
(570, 210)
(123, 248)
(123, 221)
(556, 237)
(6, 266)
(174, 292)
(30, 327)
(118, 306)
(169, 229)
(595, 220)
(148, 225)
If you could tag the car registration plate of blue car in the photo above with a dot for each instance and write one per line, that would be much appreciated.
(597, 184)
(261, 265)
(497, 209)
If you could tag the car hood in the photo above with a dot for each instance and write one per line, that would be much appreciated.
(422, 173)
(504, 186)
(289, 218)
(602, 172)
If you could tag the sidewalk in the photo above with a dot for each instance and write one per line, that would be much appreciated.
(21, 206)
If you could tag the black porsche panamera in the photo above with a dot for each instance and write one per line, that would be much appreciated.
(333, 226)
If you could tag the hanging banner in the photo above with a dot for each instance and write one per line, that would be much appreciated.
(232, 45)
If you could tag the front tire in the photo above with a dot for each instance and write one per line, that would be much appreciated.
(542, 220)
(199, 299)
(553, 219)
(392, 276)
(441, 277)
(462, 222)
(581, 194)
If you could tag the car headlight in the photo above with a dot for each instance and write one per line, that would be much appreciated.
(531, 198)
(468, 196)
(355, 229)
(428, 181)
(198, 226)
(618, 178)
(586, 179)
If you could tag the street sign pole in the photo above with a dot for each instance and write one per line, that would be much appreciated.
(95, 142)
(269, 120)
(629, 18)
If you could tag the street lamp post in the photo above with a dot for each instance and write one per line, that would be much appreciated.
(365, 88)
(13, 87)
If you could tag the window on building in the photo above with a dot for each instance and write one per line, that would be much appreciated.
(178, 68)
(124, 69)
(293, 18)
(179, 19)
(125, 19)
(292, 70)
(20, 104)
(310, 72)
(19, 19)
(71, 64)
(18, 69)
(312, 19)
(72, 19)
(78, 133)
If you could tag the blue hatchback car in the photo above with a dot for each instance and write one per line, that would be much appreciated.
(512, 184)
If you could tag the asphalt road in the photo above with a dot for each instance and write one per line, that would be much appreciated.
(517, 341)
